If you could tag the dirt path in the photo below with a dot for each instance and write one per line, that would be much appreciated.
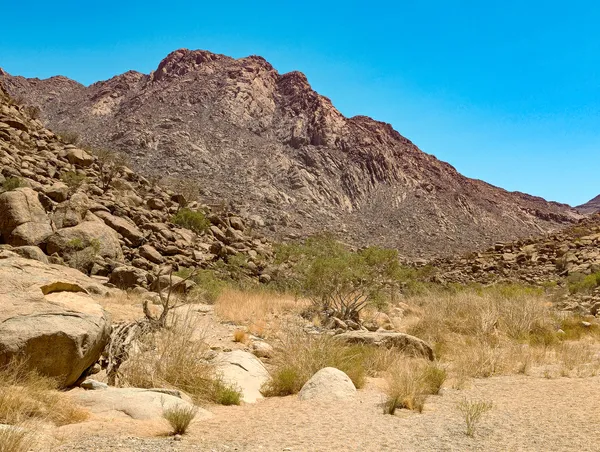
(529, 414)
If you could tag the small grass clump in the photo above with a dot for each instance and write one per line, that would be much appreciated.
(580, 283)
(299, 356)
(240, 336)
(409, 383)
(226, 394)
(191, 219)
(180, 418)
(473, 411)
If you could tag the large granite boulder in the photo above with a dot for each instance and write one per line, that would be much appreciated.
(23, 220)
(48, 318)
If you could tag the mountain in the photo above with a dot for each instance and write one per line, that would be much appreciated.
(591, 206)
(286, 157)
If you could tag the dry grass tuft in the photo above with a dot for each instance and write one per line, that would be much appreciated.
(174, 357)
(256, 309)
(25, 396)
(410, 382)
(180, 418)
(473, 411)
(15, 439)
(299, 356)
(240, 336)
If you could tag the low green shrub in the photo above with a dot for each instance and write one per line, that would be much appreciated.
(191, 219)
(12, 183)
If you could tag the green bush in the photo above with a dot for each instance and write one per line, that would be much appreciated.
(339, 281)
(73, 180)
(579, 282)
(208, 285)
(191, 219)
(12, 183)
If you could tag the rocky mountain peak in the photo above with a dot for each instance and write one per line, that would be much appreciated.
(284, 154)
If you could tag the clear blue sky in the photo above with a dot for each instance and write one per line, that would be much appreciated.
(507, 92)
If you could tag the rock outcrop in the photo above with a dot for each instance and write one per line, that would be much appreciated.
(285, 156)
(590, 207)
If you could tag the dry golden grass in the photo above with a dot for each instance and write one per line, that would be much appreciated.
(298, 356)
(502, 330)
(15, 439)
(240, 336)
(123, 306)
(409, 382)
(26, 396)
(259, 310)
(174, 357)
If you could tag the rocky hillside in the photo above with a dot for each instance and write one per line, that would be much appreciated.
(591, 206)
(561, 259)
(61, 205)
(283, 154)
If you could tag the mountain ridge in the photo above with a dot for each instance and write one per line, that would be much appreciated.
(287, 156)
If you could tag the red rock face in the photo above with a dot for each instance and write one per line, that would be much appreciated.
(277, 149)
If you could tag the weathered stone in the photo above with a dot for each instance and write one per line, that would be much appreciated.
(328, 384)
(179, 285)
(23, 220)
(150, 253)
(59, 332)
(31, 252)
(79, 157)
(244, 371)
(59, 191)
(405, 342)
(127, 277)
(126, 228)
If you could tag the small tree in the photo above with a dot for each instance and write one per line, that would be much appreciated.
(111, 164)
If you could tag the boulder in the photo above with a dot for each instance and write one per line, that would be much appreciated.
(59, 191)
(23, 220)
(93, 232)
(134, 403)
(328, 384)
(128, 277)
(150, 253)
(79, 157)
(244, 371)
(72, 212)
(31, 252)
(178, 284)
(405, 342)
(48, 318)
(126, 228)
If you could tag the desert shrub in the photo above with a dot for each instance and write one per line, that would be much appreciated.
(73, 180)
(473, 411)
(408, 383)
(208, 285)
(180, 418)
(338, 281)
(191, 219)
(27, 396)
(299, 356)
(68, 137)
(578, 282)
(226, 394)
(173, 357)
(110, 165)
(187, 190)
(12, 183)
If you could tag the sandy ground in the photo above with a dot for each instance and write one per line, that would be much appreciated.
(529, 414)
